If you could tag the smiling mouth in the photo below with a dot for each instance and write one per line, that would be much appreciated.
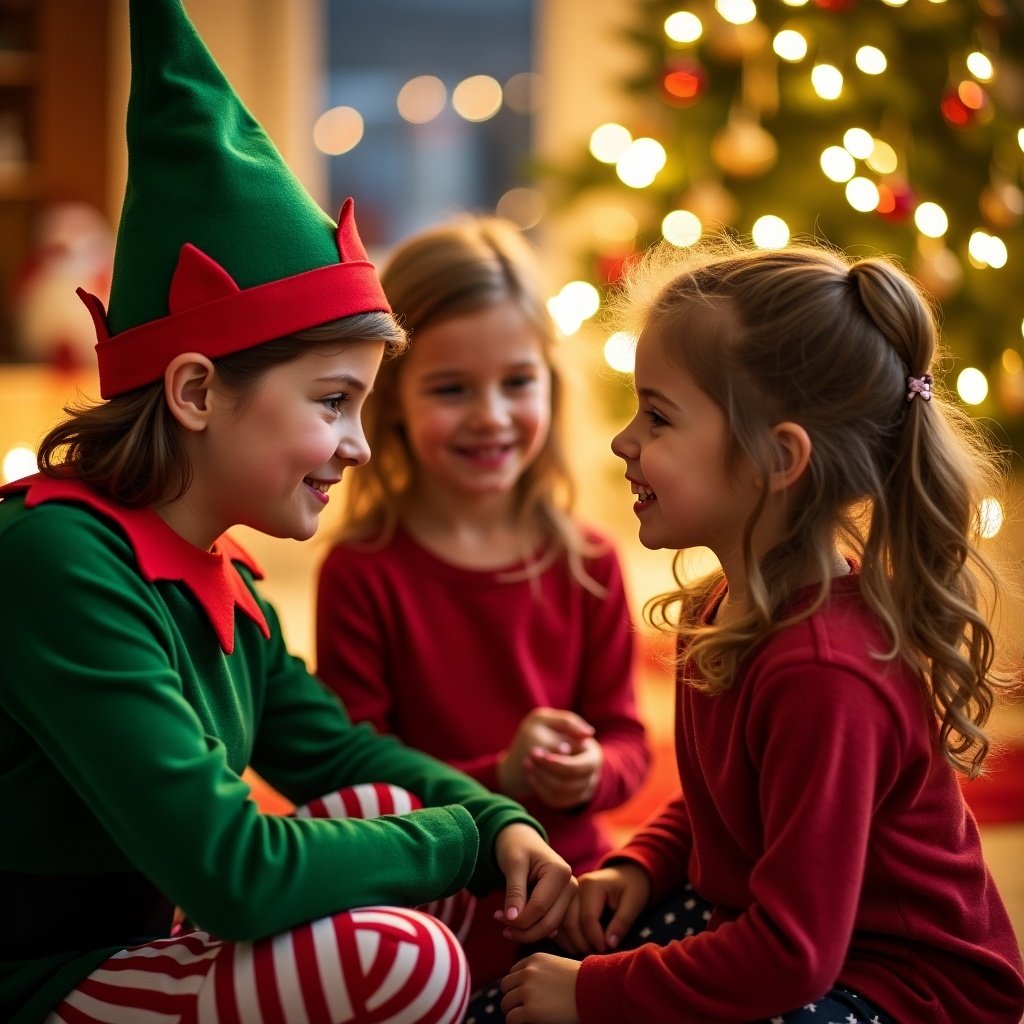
(317, 485)
(643, 494)
(486, 453)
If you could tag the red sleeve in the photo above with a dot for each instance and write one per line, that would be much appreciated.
(607, 697)
(825, 745)
(351, 640)
(661, 847)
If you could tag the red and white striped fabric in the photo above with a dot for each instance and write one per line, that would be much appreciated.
(372, 965)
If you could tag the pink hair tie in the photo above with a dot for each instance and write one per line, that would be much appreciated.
(919, 386)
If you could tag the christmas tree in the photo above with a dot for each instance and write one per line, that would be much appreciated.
(893, 127)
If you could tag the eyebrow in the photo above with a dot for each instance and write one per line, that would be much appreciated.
(344, 380)
(525, 364)
(655, 395)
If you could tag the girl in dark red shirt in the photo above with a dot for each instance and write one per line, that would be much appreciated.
(833, 675)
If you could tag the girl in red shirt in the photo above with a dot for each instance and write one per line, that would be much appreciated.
(465, 610)
(833, 675)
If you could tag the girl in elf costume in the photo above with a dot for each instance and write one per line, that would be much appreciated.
(143, 671)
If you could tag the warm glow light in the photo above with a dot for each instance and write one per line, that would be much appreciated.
(421, 99)
(971, 95)
(986, 250)
(620, 352)
(523, 92)
(683, 27)
(796, 3)
(641, 162)
(613, 226)
(990, 517)
(858, 143)
(862, 194)
(931, 220)
(18, 462)
(827, 81)
(1011, 360)
(895, 3)
(338, 130)
(1020, 137)
(609, 141)
(837, 164)
(980, 66)
(682, 228)
(522, 206)
(737, 12)
(581, 297)
(972, 386)
(871, 60)
(883, 158)
(790, 45)
(477, 98)
(770, 232)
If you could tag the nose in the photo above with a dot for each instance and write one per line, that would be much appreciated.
(491, 409)
(353, 448)
(624, 444)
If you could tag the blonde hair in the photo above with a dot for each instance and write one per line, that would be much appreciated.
(130, 447)
(456, 269)
(809, 335)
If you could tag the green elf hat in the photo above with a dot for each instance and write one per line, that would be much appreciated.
(219, 248)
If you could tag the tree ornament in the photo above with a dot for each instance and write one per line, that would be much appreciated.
(938, 270)
(683, 82)
(896, 201)
(1002, 204)
(711, 201)
(743, 149)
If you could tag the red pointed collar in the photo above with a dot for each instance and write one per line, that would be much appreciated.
(162, 554)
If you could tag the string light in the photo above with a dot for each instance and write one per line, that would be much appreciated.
(980, 66)
(640, 164)
(609, 141)
(683, 27)
(338, 130)
(870, 60)
(972, 386)
(990, 517)
(770, 232)
(477, 98)
(931, 220)
(18, 462)
(620, 352)
(682, 228)
(862, 194)
(737, 12)
(837, 164)
(858, 143)
(827, 81)
(421, 99)
(790, 45)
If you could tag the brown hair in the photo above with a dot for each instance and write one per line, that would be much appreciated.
(809, 335)
(130, 448)
(459, 268)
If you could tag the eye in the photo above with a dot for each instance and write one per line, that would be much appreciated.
(654, 418)
(451, 390)
(519, 381)
(334, 402)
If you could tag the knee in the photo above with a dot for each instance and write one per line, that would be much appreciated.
(401, 964)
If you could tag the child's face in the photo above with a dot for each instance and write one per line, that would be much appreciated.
(675, 450)
(268, 462)
(474, 396)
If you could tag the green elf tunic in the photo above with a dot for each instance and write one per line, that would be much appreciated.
(140, 676)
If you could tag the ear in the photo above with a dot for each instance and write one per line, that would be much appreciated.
(792, 453)
(187, 382)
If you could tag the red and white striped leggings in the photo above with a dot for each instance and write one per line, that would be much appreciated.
(372, 965)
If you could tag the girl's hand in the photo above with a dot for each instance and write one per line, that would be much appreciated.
(541, 990)
(625, 889)
(564, 779)
(538, 884)
(549, 729)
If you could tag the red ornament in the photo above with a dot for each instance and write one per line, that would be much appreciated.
(964, 104)
(683, 83)
(896, 202)
(836, 5)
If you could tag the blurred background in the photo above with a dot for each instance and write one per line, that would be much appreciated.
(598, 126)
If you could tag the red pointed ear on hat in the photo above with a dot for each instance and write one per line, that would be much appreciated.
(350, 246)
